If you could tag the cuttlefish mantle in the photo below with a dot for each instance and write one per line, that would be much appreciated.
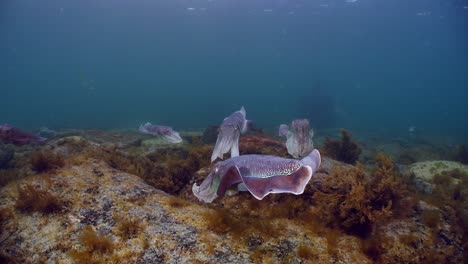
(258, 174)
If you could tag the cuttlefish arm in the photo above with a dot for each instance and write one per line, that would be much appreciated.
(222, 176)
(258, 174)
(229, 133)
(228, 139)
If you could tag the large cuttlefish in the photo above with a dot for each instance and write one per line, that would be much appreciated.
(165, 132)
(258, 174)
(298, 137)
(229, 132)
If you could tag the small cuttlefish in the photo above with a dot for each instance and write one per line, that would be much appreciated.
(10, 134)
(165, 132)
(298, 137)
(229, 132)
(283, 130)
(258, 174)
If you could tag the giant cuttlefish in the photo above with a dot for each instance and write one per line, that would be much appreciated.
(258, 174)
(298, 137)
(165, 132)
(10, 134)
(229, 132)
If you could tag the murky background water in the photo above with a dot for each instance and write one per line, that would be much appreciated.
(375, 67)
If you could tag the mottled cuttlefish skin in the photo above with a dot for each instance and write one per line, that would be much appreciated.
(258, 174)
(267, 166)
(165, 132)
(298, 137)
(229, 132)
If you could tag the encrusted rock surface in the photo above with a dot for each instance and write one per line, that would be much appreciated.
(425, 171)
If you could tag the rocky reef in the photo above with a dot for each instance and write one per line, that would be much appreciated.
(119, 197)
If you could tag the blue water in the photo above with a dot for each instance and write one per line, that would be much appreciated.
(372, 66)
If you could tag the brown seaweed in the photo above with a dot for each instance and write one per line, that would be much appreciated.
(344, 150)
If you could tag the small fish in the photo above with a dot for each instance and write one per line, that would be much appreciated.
(10, 134)
(258, 174)
(167, 133)
(229, 132)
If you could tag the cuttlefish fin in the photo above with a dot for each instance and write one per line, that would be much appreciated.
(294, 183)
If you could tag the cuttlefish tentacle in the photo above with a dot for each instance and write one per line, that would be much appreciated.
(228, 138)
(258, 174)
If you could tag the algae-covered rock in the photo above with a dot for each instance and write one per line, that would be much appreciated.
(424, 172)
(425, 237)
(109, 215)
(106, 215)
